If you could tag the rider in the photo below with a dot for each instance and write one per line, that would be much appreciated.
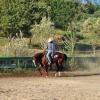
(50, 49)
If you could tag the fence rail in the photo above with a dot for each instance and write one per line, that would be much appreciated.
(88, 52)
(26, 62)
(15, 62)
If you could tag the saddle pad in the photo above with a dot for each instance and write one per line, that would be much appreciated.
(55, 56)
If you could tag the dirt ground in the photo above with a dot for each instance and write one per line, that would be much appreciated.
(51, 88)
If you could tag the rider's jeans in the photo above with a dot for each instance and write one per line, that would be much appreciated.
(49, 56)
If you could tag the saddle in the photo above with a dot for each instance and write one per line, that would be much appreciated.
(52, 57)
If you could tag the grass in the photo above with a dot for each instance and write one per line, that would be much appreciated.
(3, 41)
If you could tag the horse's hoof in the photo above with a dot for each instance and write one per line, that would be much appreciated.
(55, 75)
(46, 76)
(59, 74)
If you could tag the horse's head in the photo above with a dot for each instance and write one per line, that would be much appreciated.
(37, 58)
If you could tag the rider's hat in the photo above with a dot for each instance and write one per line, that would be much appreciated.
(50, 39)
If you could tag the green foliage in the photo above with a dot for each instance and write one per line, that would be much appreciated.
(97, 14)
(16, 47)
(63, 12)
(3, 41)
(91, 26)
(91, 30)
(90, 8)
(41, 32)
(69, 43)
(18, 15)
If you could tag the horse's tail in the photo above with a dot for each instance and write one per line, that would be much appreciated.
(65, 57)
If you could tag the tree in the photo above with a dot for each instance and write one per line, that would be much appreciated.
(18, 15)
(91, 30)
(87, 10)
(71, 39)
(42, 31)
(97, 14)
(63, 12)
(70, 42)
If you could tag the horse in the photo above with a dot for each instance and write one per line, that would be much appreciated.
(40, 59)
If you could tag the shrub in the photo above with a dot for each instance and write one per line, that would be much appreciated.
(17, 47)
(41, 32)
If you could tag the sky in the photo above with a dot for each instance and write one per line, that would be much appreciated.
(93, 1)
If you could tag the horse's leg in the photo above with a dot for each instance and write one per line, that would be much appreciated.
(46, 68)
(50, 67)
(40, 71)
(57, 69)
(60, 67)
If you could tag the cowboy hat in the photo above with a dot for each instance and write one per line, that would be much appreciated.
(50, 39)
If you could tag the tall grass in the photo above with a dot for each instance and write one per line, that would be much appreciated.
(3, 41)
(16, 47)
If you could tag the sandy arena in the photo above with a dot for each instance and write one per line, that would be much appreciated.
(52, 88)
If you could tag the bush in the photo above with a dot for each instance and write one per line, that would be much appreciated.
(17, 47)
(41, 32)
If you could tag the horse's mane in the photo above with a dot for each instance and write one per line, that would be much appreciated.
(38, 55)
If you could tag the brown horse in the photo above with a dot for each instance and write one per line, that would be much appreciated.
(40, 59)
